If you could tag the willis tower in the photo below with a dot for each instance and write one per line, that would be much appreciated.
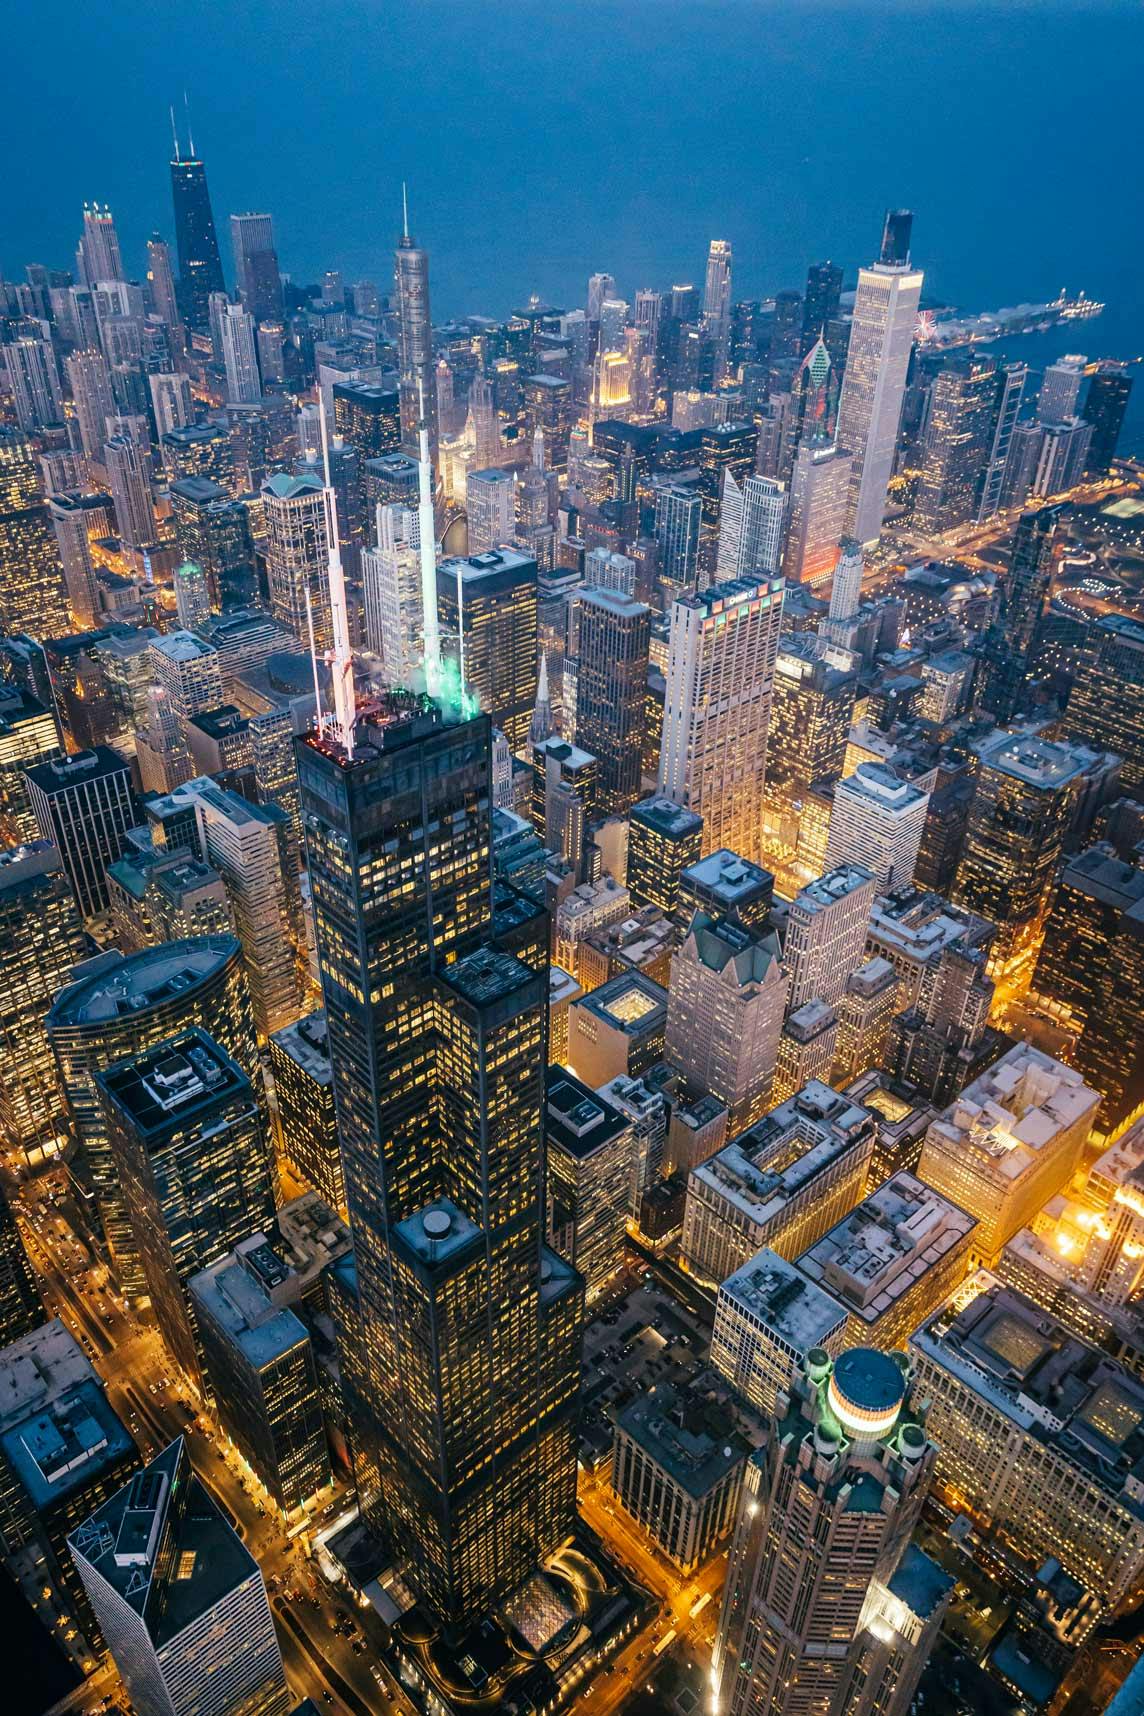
(459, 1331)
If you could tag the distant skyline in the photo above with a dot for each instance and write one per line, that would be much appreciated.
(541, 146)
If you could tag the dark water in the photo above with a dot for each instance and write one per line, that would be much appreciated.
(543, 141)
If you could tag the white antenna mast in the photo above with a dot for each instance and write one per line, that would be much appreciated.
(314, 665)
(175, 133)
(340, 657)
(427, 531)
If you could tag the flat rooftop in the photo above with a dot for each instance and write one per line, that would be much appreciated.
(763, 1168)
(119, 987)
(577, 1119)
(486, 976)
(1049, 1383)
(234, 1295)
(62, 1448)
(165, 1508)
(307, 1043)
(877, 1253)
(495, 563)
(42, 1366)
(918, 924)
(1015, 1109)
(1040, 763)
(836, 885)
(724, 876)
(629, 1002)
(692, 1439)
(183, 1077)
(673, 821)
(775, 1295)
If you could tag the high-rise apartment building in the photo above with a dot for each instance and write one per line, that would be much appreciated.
(256, 265)
(490, 507)
(870, 408)
(717, 710)
(415, 344)
(1009, 391)
(33, 378)
(725, 1010)
(240, 356)
(876, 821)
(828, 1606)
(465, 1336)
(1104, 406)
(826, 933)
(180, 1599)
(118, 1007)
(1011, 1141)
(41, 939)
(1022, 806)
(613, 635)
(717, 304)
(488, 608)
(84, 804)
(196, 243)
(99, 255)
(130, 487)
(297, 554)
(32, 597)
(190, 1141)
(92, 396)
(678, 517)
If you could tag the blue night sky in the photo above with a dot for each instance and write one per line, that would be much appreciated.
(544, 141)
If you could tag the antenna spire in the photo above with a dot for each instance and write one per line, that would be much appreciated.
(190, 133)
(404, 213)
(175, 133)
(427, 528)
(340, 658)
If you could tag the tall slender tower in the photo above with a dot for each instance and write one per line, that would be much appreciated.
(459, 1332)
(869, 411)
(200, 266)
(418, 380)
(99, 246)
(717, 303)
(720, 680)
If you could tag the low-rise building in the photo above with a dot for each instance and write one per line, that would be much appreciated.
(768, 1316)
(807, 1047)
(677, 1463)
(1040, 1435)
(618, 1029)
(892, 1260)
(903, 1118)
(1009, 1143)
(783, 1183)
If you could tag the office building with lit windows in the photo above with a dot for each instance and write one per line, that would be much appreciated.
(826, 933)
(768, 1317)
(1106, 707)
(84, 804)
(876, 821)
(892, 1260)
(41, 939)
(717, 710)
(590, 1149)
(180, 1599)
(612, 639)
(618, 1029)
(827, 1604)
(677, 1464)
(725, 886)
(781, 1184)
(32, 595)
(488, 610)
(189, 1138)
(726, 1000)
(819, 495)
(1023, 803)
(304, 1105)
(1041, 1436)
(297, 553)
(29, 734)
(663, 840)
(1011, 1141)
(437, 1042)
(259, 1366)
(119, 1007)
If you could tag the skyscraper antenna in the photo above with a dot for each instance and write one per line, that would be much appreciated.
(340, 658)
(175, 133)
(190, 133)
(404, 213)
(314, 665)
(427, 527)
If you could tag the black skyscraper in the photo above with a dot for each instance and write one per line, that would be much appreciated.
(896, 237)
(1007, 646)
(1104, 407)
(200, 266)
(820, 306)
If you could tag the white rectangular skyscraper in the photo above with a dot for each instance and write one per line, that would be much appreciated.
(869, 412)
